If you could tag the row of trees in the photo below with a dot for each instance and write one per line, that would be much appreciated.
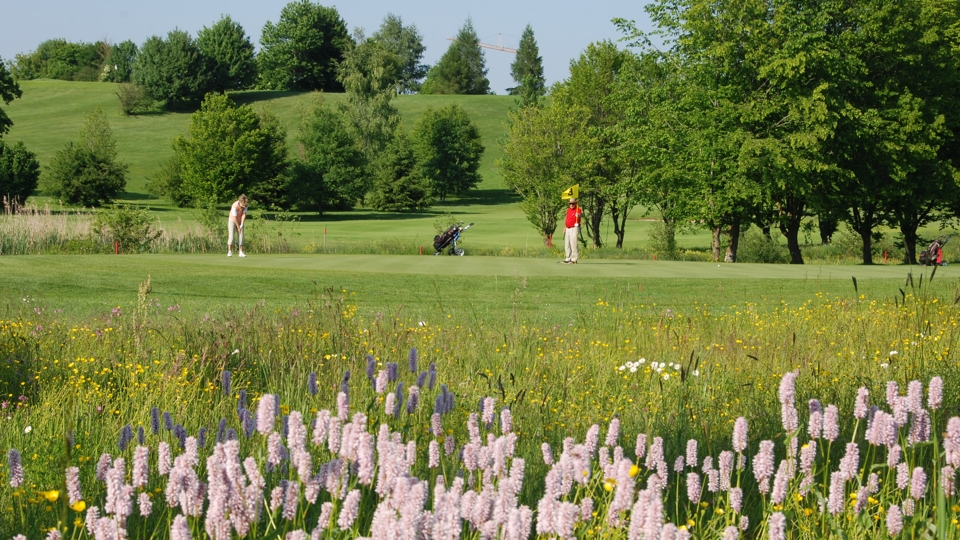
(756, 112)
(301, 51)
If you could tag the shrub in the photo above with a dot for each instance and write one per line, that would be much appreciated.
(663, 239)
(134, 99)
(757, 248)
(131, 226)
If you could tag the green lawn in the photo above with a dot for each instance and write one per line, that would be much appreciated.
(423, 285)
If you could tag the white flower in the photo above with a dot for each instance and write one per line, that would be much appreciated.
(422, 323)
(893, 353)
(235, 351)
(884, 365)
(696, 373)
(28, 429)
(621, 368)
(666, 376)
(642, 360)
(633, 369)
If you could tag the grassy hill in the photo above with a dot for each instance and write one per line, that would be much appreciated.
(51, 112)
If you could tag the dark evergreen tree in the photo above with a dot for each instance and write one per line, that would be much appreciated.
(462, 69)
(301, 51)
(87, 172)
(407, 43)
(527, 70)
(230, 51)
(397, 186)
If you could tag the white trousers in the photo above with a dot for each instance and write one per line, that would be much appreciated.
(571, 246)
(231, 225)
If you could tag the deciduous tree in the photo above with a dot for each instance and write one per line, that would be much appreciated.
(542, 158)
(173, 70)
(448, 149)
(592, 85)
(19, 172)
(329, 171)
(230, 150)
(119, 63)
(301, 51)
(369, 73)
(230, 51)
(9, 90)
(407, 44)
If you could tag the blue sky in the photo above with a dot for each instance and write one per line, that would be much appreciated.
(562, 28)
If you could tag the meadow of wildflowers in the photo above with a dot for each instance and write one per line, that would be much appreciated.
(836, 417)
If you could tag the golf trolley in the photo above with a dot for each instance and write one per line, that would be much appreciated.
(933, 255)
(449, 238)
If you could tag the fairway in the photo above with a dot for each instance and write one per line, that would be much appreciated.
(424, 284)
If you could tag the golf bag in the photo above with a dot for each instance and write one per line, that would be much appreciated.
(933, 255)
(450, 238)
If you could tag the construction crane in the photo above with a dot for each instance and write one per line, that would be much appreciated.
(499, 47)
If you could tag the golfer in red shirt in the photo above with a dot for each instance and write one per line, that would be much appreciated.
(572, 232)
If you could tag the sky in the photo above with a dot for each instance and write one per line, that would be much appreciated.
(563, 28)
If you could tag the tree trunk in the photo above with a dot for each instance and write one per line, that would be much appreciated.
(862, 221)
(790, 220)
(547, 242)
(731, 256)
(594, 220)
(619, 217)
(716, 244)
(909, 231)
(909, 219)
(867, 246)
(791, 231)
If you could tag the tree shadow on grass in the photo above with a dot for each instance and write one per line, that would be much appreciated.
(363, 215)
(482, 197)
(255, 96)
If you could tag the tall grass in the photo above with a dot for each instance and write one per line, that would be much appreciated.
(675, 374)
(30, 230)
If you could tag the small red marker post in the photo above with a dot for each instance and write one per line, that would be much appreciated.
(116, 247)
(421, 250)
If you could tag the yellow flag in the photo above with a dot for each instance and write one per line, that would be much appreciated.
(574, 192)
